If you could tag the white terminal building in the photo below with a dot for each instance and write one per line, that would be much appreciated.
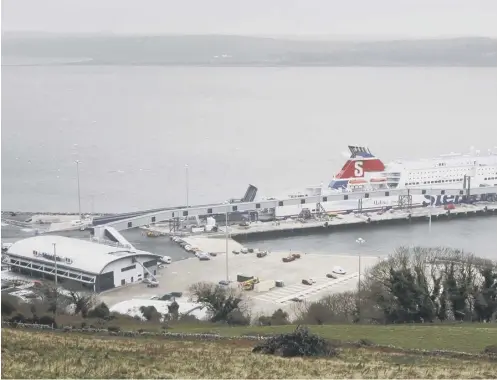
(90, 264)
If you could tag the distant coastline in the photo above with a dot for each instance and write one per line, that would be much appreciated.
(233, 51)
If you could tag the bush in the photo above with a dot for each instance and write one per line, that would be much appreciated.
(365, 342)
(278, 318)
(150, 313)
(492, 349)
(113, 329)
(99, 311)
(237, 318)
(8, 307)
(18, 318)
(47, 320)
(299, 343)
(188, 318)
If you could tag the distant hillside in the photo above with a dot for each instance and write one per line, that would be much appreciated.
(220, 50)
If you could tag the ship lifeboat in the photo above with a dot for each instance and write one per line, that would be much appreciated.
(357, 181)
(378, 180)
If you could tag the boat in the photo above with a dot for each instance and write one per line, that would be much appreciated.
(363, 172)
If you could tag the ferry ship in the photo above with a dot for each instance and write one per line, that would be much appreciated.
(363, 171)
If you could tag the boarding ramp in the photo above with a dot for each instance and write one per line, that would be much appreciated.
(110, 234)
(250, 194)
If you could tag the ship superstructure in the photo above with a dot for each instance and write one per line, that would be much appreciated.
(363, 171)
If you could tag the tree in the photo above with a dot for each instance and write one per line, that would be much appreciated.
(219, 300)
(333, 308)
(486, 296)
(82, 302)
(149, 312)
(424, 284)
(173, 310)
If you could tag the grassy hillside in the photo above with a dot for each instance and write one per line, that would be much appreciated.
(47, 355)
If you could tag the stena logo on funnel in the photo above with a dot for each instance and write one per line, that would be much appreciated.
(358, 169)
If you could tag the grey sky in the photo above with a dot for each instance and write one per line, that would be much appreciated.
(373, 18)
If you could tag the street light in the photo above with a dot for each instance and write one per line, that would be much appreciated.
(79, 193)
(187, 185)
(226, 238)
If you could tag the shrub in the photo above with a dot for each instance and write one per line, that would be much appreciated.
(298, 343)
(278, 318)
(113, 329)
(188, 318)
(365, 342)
(18, 318)
(237, 318)
(47, 320)
(150, 313)
(492, 349)
(99, 311)
(8, 307)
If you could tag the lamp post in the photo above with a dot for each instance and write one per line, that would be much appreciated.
(91, 202)
(187, 186)
(226, 238)
(359, 241)
(79, 193)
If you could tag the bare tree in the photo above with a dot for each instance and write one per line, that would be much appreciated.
(83, 302)
(224, 303)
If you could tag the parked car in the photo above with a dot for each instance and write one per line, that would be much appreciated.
(338, 270)
(202, 255)
(297, 299)
(166, 260)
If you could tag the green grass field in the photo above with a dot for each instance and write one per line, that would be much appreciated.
(37, 354)
(463, 338)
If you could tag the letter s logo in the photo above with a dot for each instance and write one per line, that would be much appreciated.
(359, 171)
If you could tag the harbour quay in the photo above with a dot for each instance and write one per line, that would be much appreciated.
(360, 220)
(328, 224)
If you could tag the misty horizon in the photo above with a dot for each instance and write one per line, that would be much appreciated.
(363, 19)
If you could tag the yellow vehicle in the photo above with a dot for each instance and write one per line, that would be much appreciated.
(249, 284)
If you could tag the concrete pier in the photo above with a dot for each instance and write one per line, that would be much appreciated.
(291, 227)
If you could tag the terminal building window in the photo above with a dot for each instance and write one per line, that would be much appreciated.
(128, 268)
